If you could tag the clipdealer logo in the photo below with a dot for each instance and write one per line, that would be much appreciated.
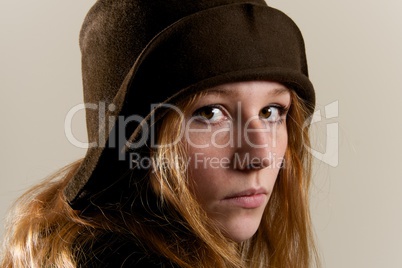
(326, 116)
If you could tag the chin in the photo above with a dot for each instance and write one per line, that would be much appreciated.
(238, 238)
(241, 230)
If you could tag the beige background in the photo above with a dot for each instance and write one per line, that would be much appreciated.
(355, 58)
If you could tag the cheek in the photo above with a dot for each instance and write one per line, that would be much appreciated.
(203, 184)
(207, 170)
(279, 144)
(283, 142)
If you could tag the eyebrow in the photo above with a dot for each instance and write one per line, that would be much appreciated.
(226, 91)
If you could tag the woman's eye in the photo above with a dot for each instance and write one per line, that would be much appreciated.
(271, 113)
(209, 113)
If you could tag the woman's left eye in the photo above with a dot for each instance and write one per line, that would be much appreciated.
(271, 113)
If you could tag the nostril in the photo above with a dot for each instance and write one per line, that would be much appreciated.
(248, 162)
(265, 162)
(259, 163)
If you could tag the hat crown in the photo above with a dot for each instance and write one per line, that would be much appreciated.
(113, 35)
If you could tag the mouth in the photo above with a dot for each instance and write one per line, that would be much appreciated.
(251, 198)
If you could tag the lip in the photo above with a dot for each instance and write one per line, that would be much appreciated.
(251, 198)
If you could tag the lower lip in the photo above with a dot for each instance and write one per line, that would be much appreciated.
(251, 201)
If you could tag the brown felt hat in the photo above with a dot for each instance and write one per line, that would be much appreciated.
(138, 53)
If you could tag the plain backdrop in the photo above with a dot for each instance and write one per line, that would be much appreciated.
(355, 60)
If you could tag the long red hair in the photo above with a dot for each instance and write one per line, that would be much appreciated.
(44, 231)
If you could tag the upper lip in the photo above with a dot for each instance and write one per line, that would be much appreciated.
(248, 192)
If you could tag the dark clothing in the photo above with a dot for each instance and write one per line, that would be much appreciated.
(113, 252)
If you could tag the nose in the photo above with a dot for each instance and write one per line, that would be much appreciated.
(254, 145)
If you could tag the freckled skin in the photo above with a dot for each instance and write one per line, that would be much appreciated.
(237, 130)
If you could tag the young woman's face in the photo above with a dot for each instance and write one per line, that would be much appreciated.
(236, 138)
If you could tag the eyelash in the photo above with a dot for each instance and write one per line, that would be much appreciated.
(282, 110)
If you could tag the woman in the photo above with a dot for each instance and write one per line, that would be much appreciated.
(196, 114)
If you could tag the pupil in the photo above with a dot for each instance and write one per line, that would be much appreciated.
(207, 113)
(266, 112)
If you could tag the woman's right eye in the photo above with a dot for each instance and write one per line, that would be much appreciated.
(211, 114)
